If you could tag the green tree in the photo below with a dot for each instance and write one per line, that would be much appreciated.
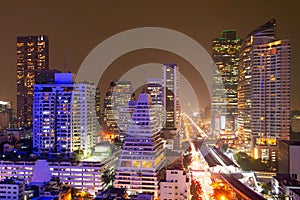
(108, 178)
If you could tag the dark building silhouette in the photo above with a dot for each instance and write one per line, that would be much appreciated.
(32, 58)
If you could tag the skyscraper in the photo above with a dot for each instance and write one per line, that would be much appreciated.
(264, 91)
(142, 156)
(155, 89)
(225, 79)
(171, 95)
(124, 119)
(32, 58)
(117, 96)
(64, 117)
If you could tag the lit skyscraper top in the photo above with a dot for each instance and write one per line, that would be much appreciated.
(224, 100)
(171, 95)
(264, 91)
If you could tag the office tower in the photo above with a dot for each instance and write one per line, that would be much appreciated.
(155, 89)
(264, 91)
(142, 156)
(171, 95)
(64, 117)
(32, 58)
(225, 79)
(117, 96)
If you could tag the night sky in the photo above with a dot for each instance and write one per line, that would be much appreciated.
(78, 26)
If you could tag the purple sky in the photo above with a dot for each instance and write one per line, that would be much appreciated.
(78, 26)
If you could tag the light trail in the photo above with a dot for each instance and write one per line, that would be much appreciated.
(195, 125)
(199, 167)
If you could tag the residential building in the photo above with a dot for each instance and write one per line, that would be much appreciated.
(176, 185)
(264, 91)
(64, 117)
(11, 189)
(32, 58)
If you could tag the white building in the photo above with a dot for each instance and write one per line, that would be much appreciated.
(264, 91)
(83, 175)
(142, 155)
(11, 189)
(64, 117)
(176, 186)
(155, 89)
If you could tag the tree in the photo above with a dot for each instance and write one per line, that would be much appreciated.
(108, 178)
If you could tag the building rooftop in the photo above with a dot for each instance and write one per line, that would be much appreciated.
(268, 25)
(286, 180)
(291, 142)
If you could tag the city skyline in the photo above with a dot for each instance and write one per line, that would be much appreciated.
(203, 94)
(77, 33)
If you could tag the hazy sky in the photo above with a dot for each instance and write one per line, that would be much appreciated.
(78, 26)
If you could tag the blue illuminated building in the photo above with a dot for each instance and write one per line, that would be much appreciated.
(64, 117)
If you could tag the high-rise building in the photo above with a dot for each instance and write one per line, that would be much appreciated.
(124, 119)
(171, 95)
(142, 156)
(32, 58)
(155, 89)
(264, 91)
(98, 104)
(64, 117)
(117, 96)
(225, 80)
